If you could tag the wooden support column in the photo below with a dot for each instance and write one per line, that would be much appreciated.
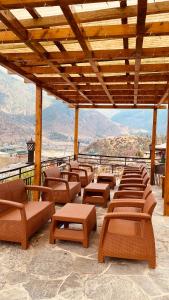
(76, 127)
(153, 144)
(166, 181)
(38, 140)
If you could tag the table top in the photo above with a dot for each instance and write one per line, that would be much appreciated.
(97, 187)
(73, 212)
(106, 175)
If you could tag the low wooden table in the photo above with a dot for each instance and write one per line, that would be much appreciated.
(97, 193)
(107, 178)
(76, 214)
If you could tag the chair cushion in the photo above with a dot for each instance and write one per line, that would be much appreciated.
(31, 209)
(124, 227)
(61, 194)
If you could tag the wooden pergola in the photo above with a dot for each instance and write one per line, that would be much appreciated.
(90, 54)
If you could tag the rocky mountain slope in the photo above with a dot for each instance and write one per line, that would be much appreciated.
(127, 145)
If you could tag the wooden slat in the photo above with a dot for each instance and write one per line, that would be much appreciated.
(103, 69)
(150, 77)
(100, 55)
(141, 19)
(13, 4)
(89, 32)
(119, 107)
(33, 12)
(86, 48)
(166, 94)
(93, 16)
(9, 20)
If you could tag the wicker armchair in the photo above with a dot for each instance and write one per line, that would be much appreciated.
(132, 194)
(64, 190)
(129, 234)
(134, 184)
(85, 172)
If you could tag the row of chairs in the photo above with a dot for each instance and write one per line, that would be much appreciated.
(127, 230)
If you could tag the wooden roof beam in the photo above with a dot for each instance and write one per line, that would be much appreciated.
(93, 16)
(11, 22)
(141, 19)
(163, 99)
(33, 12)
(78, 34)
(100, 55)
(89, 32)
(120, 106)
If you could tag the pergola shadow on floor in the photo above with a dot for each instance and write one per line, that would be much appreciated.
(66, 270)
(90, 54)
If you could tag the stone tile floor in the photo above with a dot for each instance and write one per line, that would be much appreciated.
(69, 271)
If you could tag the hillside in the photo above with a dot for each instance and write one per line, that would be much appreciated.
(120, 146)
(17, 108)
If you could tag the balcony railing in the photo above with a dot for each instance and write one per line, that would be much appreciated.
(26, 171)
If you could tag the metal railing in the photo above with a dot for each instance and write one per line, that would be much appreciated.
(113, 160)
(26, 171)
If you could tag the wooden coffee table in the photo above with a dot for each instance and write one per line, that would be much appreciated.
(97, 193)
(107, 178)
(73, 213)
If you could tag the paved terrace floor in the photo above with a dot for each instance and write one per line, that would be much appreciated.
(69, 271)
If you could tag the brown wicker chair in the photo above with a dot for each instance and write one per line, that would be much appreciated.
(84, 171)
(137, 170)
(131, 194)
(129, 234)
(135, 175)
(134, 183)
(20, 218)
(64, 190)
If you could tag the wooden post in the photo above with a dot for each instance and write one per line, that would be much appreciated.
(153, 145)
(76, 150)
(38, 140)
(166, 180)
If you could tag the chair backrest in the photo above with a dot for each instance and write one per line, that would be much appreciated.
(14, 191)
(74, 164)
(150, 204)
(147, 191)
(52, 171)
(144, 173)
(146, 179)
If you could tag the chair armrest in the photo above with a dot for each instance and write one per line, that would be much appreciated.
(17, 205)
(128, 194)
(128, 216)
(135, 186)
(126, 203)
(38, 188)
(71, 174)
(58, 180)
(83, 170)
(87, 166)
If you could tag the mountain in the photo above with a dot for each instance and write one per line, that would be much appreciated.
(129, 145)
(92, 124)
(17, 116)
(16, 97)
(141, 120)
